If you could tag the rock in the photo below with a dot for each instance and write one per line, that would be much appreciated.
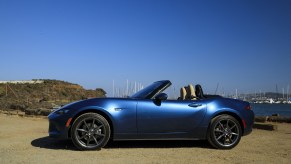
(45, 112)
(280, 119)
(273, 118)
(276, 114)
(30, 112)
(38, 112)
(261, 118)
(265, 126)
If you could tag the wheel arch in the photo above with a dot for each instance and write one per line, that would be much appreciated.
(102, 113)
(236, 116)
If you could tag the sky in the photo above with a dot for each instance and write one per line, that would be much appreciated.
(243, 45)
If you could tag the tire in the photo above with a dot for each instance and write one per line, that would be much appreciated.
(90, 131)
(224, 132)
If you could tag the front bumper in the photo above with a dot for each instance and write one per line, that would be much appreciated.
(57, 126)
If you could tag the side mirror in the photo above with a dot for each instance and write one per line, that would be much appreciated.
(161, 97)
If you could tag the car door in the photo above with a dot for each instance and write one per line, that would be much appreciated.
(169, 118)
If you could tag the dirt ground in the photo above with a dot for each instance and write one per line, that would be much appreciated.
(25, 140)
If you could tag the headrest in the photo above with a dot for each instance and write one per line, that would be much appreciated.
(182, 93)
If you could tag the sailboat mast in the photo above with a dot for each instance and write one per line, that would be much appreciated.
(113, 88)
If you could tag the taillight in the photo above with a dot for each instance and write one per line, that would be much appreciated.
(248, 107)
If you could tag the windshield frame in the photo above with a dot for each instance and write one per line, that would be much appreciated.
(152, 90)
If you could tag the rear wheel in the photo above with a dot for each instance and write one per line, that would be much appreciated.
(224, 132)
(90, 131)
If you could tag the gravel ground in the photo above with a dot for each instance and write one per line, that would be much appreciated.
(25, 140)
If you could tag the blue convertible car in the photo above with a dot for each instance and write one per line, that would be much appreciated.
(149, 115)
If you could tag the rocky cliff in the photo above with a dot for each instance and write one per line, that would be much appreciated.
(47, 95)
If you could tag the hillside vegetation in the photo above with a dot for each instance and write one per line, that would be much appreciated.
(46, 95)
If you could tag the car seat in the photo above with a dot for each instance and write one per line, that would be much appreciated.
(199, 91)
(191, 95)
(182, 94)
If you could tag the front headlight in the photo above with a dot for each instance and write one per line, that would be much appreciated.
(61, 111)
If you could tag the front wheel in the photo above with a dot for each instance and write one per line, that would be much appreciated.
(90, 131)
(224, 132)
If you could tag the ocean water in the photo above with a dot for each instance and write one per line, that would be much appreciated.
(269, 109)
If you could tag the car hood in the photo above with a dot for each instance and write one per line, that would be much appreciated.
(97, 103)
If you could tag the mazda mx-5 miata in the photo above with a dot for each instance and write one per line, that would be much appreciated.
(150, 115)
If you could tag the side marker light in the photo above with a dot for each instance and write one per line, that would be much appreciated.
(68, 122)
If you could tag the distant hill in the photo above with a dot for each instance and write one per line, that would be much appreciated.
(44, 93)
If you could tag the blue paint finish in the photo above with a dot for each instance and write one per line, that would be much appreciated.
(145, 117)
(169, 117)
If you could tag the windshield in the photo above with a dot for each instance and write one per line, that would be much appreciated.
(147, 91)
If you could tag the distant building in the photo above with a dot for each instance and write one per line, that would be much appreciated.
(22, 82)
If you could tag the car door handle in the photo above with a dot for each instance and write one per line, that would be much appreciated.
(119, 109)
(194, 105)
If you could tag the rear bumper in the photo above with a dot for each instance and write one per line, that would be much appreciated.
(248, 131)
(249, 122)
